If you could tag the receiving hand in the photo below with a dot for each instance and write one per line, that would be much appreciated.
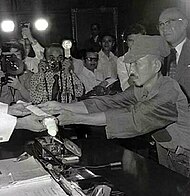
(51, 107)
(18, 109)
(14, 83)
(31, 122)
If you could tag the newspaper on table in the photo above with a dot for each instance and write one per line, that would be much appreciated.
(26, 177)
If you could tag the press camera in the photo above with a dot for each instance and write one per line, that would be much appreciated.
(9, 63)
(54, 65)
(25, 25)
(51, 65)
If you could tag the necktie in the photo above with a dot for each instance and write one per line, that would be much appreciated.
(172, 63)
(55, 88)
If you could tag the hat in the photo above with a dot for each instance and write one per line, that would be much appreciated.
(147, 45)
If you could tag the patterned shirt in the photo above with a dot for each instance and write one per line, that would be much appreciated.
(42, 85)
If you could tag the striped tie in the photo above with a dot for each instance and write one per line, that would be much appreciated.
(172, 63)
(55, 88)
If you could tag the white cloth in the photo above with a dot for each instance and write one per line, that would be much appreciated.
(7, 122)
(122, 72)
(107, 66)
(87, 77)
(179, 49)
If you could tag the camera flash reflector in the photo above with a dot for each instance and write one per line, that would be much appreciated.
(41, 24)
(67, 44)
(7, 26)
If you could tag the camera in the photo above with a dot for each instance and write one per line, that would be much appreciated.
(6, 47)
(50, 65)
(9, 66)
(54, 65)
(25, 25)
(9, 63)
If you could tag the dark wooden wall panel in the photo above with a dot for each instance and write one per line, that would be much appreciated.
(107, 18)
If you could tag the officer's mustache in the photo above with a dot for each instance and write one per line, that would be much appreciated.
(131, 79)
(133, 76)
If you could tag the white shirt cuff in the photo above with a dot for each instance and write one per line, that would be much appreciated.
(3, 108)
(8, 124)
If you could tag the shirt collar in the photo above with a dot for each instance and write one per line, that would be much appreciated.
(179, 46)
(101, 53)
(157, 85)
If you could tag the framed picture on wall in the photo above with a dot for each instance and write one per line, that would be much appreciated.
(82, 19)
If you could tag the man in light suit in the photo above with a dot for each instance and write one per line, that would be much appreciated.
(173, 28)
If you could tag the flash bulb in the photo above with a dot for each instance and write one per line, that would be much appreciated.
(67, 44)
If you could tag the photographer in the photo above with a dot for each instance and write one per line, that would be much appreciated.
(56, 79)
(15, 80)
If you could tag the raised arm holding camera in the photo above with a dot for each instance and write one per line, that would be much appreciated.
(33, 50)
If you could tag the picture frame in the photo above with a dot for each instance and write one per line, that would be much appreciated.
(82, 19)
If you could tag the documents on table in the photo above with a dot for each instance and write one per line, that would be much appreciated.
(26, 178)
(18, 172)
(41, 188)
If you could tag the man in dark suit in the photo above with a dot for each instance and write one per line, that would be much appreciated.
(173, 28)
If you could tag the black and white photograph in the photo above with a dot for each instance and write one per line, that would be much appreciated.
(94, 98)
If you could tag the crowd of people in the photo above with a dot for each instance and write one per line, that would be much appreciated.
(152, 96)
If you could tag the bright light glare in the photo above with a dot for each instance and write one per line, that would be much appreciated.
(41, 24)
(7, 26)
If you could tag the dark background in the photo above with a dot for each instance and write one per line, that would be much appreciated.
(58, 12)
